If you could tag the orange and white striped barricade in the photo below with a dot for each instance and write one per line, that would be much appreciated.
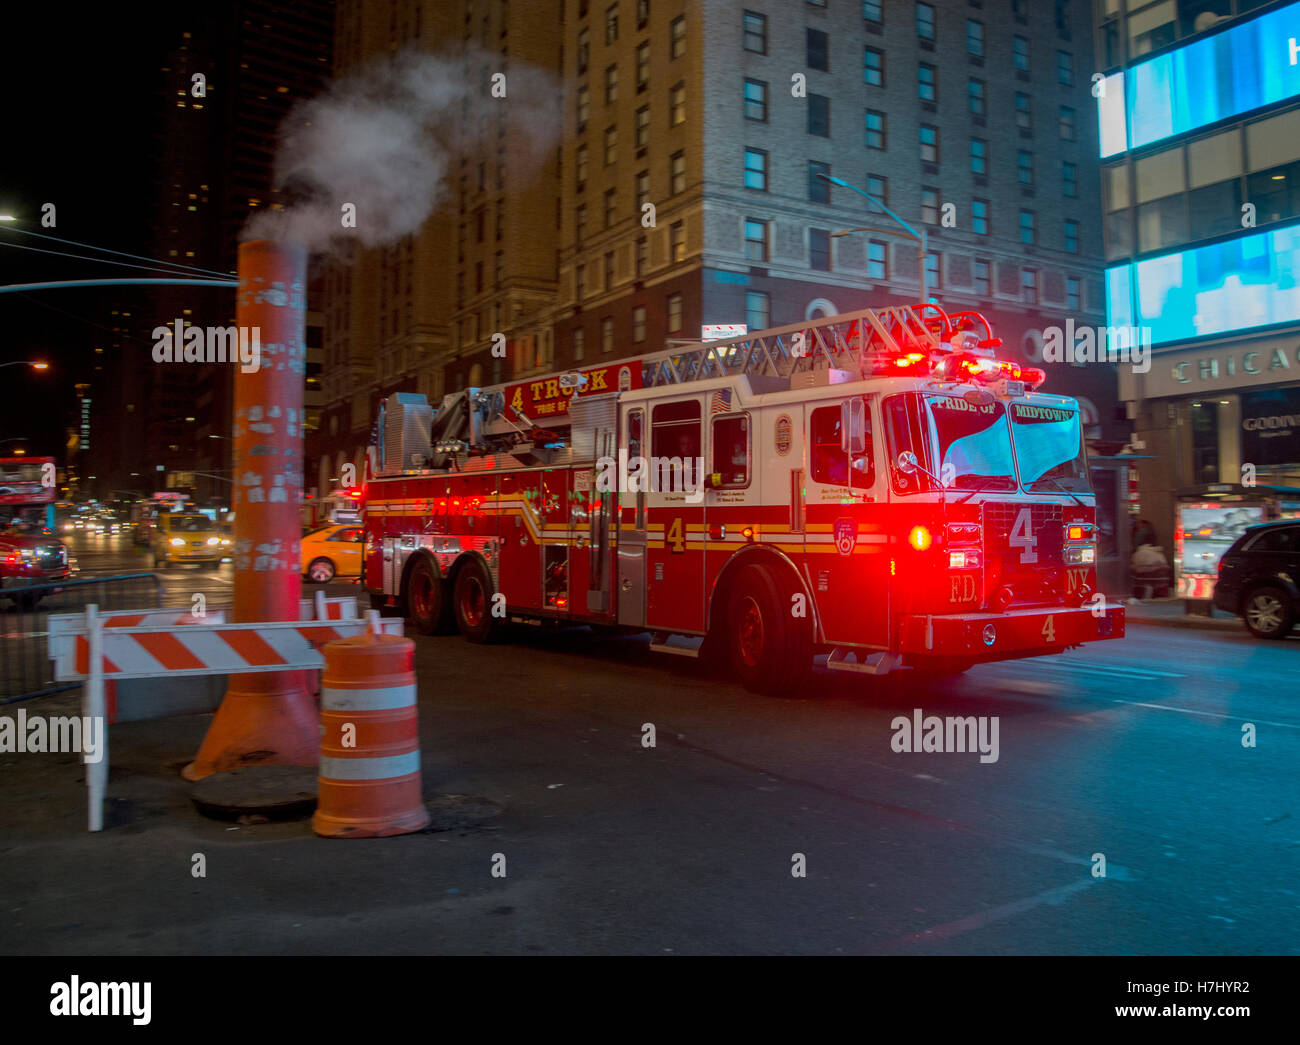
(153, 651)
(370, 783)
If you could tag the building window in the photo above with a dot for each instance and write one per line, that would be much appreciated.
(580, 222)
(979, 152)
(929, 144)
(642, 67)
(1065, 68)
(643, 127)
(873, 11)
(611, 207)
(1025, 167)
(642, 249)
(975, 97)
(674, 313)
(816, 50)
(1072, 300)
(877, 186)
(642, 13)
(933, 273)
(755, 100)
(677, 37)
(677, 105)
(478, 277)
(755, 32)
(930, 206)
(873, 67)
(611, 85)
(579, 344)
(642, 189)
(926, 83)
(1027, 233)
(584, 107)
(925, 21)
(756, 239)
(981, 278)
(756, 169)
(580, 167)
(607, 334)
(584, 49)
(877, 260)
(758, 310)
(1069, 179)
(609, 270)
(1066, 123)
(677, 241)
(819, 189)
(819, 115)
(1029, 286)
(974, 38)
(611, 24)
(580, 282)
(638, 324)
(979, 217)
(677, 173)
(1071, 237)
(611, 145)
(1024, 112)
(819, 249)
(875, 129)
(1020, 53)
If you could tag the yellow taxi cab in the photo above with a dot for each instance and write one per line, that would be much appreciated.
(187, 537)
(332, 551)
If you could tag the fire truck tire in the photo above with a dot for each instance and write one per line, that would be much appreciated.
(472, 603)
(771, 653)
(427, 605)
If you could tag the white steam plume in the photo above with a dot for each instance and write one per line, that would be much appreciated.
(385, 138)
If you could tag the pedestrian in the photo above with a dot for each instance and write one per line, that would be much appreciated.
(1143, 533)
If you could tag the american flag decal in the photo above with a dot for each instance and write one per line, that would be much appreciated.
(720, 402)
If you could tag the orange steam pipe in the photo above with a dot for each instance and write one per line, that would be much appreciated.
(266, 718)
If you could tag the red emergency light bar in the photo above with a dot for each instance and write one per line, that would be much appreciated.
(984, 369)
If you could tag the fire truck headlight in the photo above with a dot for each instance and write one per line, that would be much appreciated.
(990, 634)
(920, 538)
(1083, 554)
(964, 560)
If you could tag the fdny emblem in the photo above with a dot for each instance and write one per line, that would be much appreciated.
(846, 535)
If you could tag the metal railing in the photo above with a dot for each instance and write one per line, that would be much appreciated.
(25, 668)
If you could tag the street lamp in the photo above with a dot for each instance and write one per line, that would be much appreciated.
(911, 233)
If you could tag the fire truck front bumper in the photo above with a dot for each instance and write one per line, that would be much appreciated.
(1016, 633)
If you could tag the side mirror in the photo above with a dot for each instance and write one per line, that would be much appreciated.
(853, 426)
(907, 462)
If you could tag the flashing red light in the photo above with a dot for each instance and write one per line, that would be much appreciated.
(561, 601)
(747, 533)
(354, 493)
(910, 360)
(920, 538)
(1076, 533)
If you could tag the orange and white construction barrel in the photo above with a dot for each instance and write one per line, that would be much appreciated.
(370, 746)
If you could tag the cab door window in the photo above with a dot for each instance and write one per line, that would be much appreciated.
(350, 535)
(675, 443)
(829, 461)
(730, 468)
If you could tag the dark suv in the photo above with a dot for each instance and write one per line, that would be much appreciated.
(1259, 578)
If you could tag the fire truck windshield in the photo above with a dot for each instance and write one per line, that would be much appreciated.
(973, 443)
(1050, 448)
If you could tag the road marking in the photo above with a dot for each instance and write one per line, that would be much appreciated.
(1206, 714)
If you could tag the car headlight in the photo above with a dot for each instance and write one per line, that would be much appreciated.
(176, 542)
(225, 540)
(214, 540)
(27, 553)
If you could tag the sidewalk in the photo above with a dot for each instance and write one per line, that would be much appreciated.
(1170, 613)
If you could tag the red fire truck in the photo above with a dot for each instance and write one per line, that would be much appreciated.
(878, 487)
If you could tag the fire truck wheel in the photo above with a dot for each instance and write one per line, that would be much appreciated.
(771, 653)
(472, 600)
(426, 598)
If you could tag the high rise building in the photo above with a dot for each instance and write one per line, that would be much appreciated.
(1200, 146)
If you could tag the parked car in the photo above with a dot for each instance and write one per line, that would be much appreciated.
(26, 559)
(187, 537)
(1259, 578)
(332, 551)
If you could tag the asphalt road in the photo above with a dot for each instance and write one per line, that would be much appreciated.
(1130, 749)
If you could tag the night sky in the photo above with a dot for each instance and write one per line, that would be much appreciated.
(82, 88)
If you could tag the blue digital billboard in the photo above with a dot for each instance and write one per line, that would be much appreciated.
(1251, 281)
(1251, 65)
